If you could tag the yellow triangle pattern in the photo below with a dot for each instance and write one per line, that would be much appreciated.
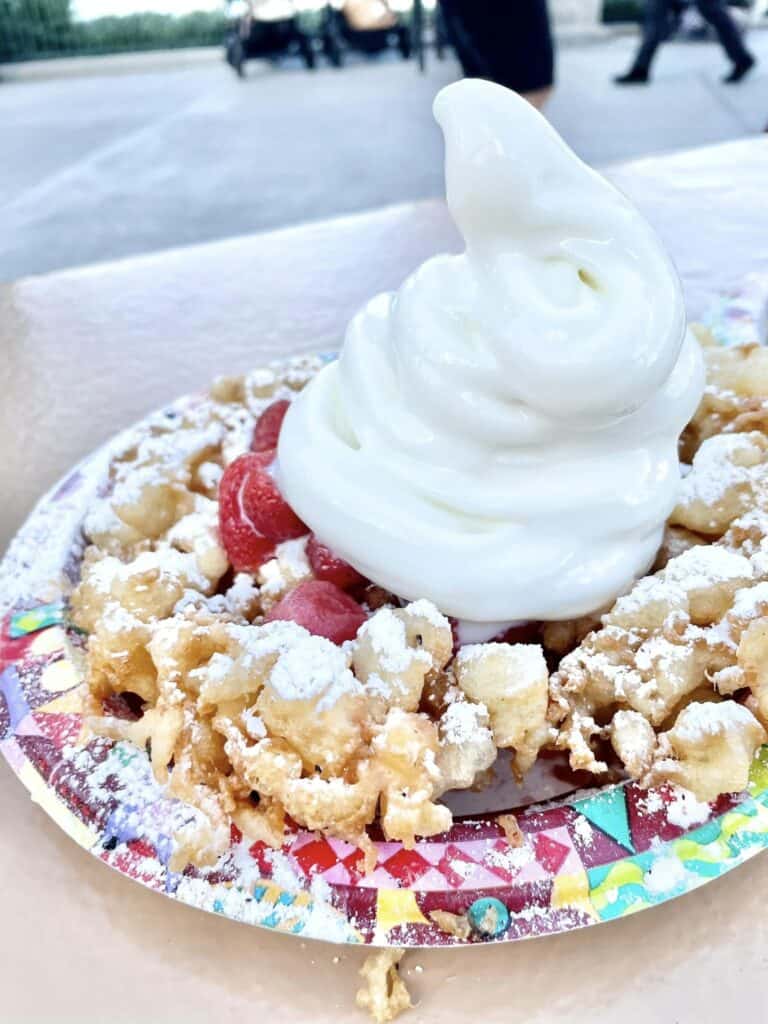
(397, 907)
(69, 703)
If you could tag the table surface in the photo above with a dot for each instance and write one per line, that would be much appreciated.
(87, 351)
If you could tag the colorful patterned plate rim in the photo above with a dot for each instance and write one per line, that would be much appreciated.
(587, 858)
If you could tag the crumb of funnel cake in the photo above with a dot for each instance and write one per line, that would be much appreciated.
(676, 540)
(634, 741)
(467, 749)
(398, 649)
(561, 637)
(735, 398)
(152, 479)
(228, 389)
(512, 681)
(512, 830)
(149, 586)
(709, 750)
(240, 601)
(686, 636)
(406, 749)
(456, 925)
(383, 993)
(729, 473)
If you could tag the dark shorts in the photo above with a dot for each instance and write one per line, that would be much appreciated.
(506, 41)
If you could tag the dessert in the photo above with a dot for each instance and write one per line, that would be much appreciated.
(251, 590)
(499, 436)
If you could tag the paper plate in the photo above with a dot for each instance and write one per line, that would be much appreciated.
(588, 857)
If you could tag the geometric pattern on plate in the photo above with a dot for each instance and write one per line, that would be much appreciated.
(592, 858)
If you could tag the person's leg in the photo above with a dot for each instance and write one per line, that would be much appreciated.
(461, 30)
(655, 31)
(524, 52)
(538, 98)
(716, 13)
(508, 43)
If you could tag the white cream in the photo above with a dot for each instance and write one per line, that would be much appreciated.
(500, 434)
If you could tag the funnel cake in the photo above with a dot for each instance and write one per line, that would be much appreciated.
(251, 718)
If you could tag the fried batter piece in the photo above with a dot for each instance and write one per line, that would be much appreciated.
(669, 647)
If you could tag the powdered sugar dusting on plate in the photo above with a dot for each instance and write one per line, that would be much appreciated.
(685, 811)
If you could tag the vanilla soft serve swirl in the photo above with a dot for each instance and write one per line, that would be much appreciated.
(500, 434)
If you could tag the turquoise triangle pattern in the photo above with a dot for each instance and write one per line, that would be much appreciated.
(608, 810)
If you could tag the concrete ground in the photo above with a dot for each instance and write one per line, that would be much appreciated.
(100, 167)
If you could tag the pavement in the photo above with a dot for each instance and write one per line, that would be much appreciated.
(108, 165)
(99, 65)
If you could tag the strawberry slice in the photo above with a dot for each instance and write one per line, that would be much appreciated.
(326, 566)
(253, 515)
(247, 548)
(263, 503)
(321, 608)
(267, 431)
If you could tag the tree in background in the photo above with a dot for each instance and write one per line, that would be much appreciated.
(45, 28)
(34, 27)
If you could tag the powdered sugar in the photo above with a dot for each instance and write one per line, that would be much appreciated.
(241, 593)
(426, 610)
(522, 663)
(109, 572)
(313, 669)
(716, 469)
(665, 874)
(294, 554)
(685, 810)
(200, 524)
(239, 601)
(698, 568)
(375, 686)
(386, 633)
(209, 474)
(728, 680)
(652, 801)
(750, 602)
(254, 724)
(289, 567)
(659, 655)
(706, 565)
(102, 520)
(462, 722)
(699, 719)
(583, 830)
(645, 593)
(260, 381)
(511, 858)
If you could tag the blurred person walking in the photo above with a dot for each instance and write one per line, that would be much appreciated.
(508, 43)
(657, 27)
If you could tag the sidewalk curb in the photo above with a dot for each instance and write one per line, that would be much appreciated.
(111, 64)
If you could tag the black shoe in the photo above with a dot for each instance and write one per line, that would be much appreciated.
(634, 77)
(738, 71)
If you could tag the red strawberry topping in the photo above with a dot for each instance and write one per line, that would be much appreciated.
(253, 515)
(267, 431)
(326, 566)
(323, 609)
